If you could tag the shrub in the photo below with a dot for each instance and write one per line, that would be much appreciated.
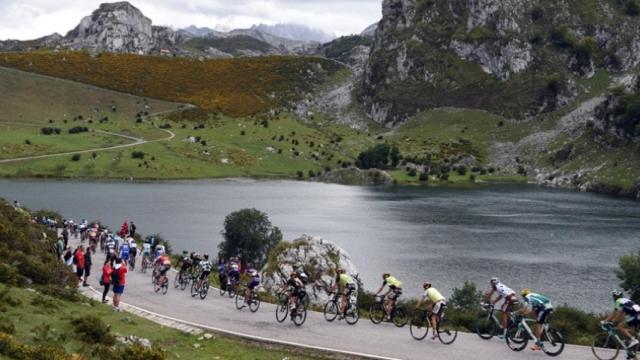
(577, 326)
(632, 8)
(249, 234)
(137, 155)
(629, 275)
(461, 170)
(424, 177)
(27, 142)
(50, 131)
(312, 174)
(93, 330)
(7, 326)
(412, 172)
(444, 176)
(562, 37)
(466, 298)
(78, 130)
(379, 157)
(537, 13)
(472, 177)
(139, 352)
(165, 126)
(75, 157)
(300, 174)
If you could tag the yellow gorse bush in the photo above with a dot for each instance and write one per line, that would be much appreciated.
(236, 87)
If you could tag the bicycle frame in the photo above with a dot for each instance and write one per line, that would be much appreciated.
(613, 332)
(526, 327)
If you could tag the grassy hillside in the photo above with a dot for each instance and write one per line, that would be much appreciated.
(30, 103)
(236, 87)
(232, 45)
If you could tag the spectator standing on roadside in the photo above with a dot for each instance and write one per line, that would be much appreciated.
(132, 229)
(59, 247)
(118, 279)
(105, 281)
(79, 261)
(65, 236)
(68, 257)
(88, 261)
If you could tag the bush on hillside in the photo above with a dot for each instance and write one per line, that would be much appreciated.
(381, 156)
(249, 234)
(467, 298)
(629, 275)
(92, 329)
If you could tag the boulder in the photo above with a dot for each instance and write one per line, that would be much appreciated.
(317, 257)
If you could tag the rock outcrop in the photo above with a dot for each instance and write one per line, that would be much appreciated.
(317, 257)
(495, 55)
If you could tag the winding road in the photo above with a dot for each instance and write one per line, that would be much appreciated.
(218, 314)
(136, 142)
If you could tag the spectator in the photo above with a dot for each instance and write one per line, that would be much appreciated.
(118, 279)
(59, 247)
(68, 257)
(88, 261)
(79, 261)
(16, 204)
(65, 236)
(107, 270)
(132, 229)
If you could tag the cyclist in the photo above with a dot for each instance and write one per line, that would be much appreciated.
(124, 252)
(394, 292)
(234, 272)
(345, 286)
(628, 310)
(146, 251)
(205, 269)
(510, 298)
(541, 307)
(185, 263)
(222, 275)
(297, 291)
(253, 283)
(435, 305)
(162, 264)
(133, 252)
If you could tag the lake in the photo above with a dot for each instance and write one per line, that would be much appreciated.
(564, 244)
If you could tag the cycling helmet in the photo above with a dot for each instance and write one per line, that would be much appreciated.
(617, 294)
(206, 256)
(185, 253)
(494, 280)
(525, 292)
(426, 285)
(340, 271)
(385, 275)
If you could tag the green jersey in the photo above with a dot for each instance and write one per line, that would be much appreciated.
(433, 296)
(538, 302)
(344, 280)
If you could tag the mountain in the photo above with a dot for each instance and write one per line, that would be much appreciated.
(515, 58)
(295, 32)
(202, 32)
(370, 30)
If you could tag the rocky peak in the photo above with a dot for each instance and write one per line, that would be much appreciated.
(115, 27)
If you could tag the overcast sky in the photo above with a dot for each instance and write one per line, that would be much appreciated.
(29, 19)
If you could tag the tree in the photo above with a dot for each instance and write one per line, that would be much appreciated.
(395, 156)
(249, 234)
(378, 157)
(629, 275)
(467, 298)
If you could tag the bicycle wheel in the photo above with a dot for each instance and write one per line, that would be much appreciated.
(486, 328)
(254, 304)
(232, 290)
(300, 316)
(552, 342)
(330, 311)
(517, 338)
(376, 312)
(447, 332)
(239, 301)
(165, 286)
(222, 290)
(419, 326)
(194, 289)
(352, 316)
(156, 286)
(184, 282)
(399, 316)
(204, 290)
(605, 346)
(177, 281)
(282, 311)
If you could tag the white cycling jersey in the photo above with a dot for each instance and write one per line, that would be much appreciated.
(504, 290)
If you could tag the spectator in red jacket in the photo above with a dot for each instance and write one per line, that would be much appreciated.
(79, 261)
(118, 280)
(107, 270)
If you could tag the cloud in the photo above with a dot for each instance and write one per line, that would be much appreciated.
(28, 19)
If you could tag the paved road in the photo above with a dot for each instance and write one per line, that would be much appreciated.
(136, 142)
(382, 341)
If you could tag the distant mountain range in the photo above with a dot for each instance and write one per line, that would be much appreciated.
(122, 28)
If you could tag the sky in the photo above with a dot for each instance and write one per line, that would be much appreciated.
(30, 19)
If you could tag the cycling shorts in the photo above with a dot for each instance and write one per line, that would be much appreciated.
(164, 269)
(253, 283)
(204, 275)
(439, 307)
(395, 294)
(542, 315)
(509, 302)
(633, 323)
(348, 290)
